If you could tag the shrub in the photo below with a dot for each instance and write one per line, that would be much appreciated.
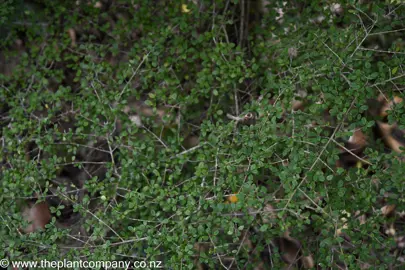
(202, 132)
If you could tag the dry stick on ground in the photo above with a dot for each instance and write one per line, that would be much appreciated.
(320, 154)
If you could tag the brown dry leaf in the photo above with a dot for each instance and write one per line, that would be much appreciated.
(200, 247)
(191, 141)
(336, 9)
(289, 249)
(98, 4)
(72, 35)
(358, 138)
(361, 218)
(388, 105)
(388, 209)
(136, 119)
(138, 110)
(297, 105)
(308, 262)
(390, 230)
(400, 240)
(391, 134)
(38, 215)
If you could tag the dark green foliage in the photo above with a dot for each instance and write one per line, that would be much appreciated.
(139, 191)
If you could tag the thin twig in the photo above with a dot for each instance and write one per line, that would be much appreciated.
(350, 152)
(133, 74)
(389, 80)
(188, 150)
(154, 135)
(387, 32)
(319, 156)
(105, 224)
(242, 22)
(364, 38)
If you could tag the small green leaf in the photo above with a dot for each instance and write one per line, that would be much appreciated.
(264, 227)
